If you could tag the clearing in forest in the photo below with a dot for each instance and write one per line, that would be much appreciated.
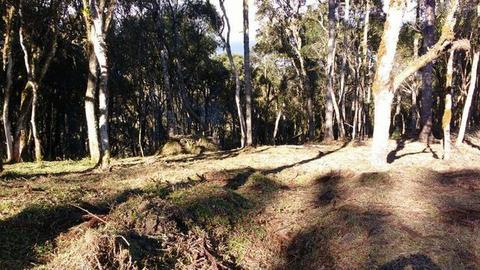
(285, 207)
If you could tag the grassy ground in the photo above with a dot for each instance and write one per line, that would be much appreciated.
(287, 207)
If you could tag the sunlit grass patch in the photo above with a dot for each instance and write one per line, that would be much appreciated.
(28, 169)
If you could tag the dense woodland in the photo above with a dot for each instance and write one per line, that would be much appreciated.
(120, 78)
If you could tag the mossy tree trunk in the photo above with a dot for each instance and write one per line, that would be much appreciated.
(385, 85)
(382, 85)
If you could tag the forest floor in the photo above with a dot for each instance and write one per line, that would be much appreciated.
(284, 207)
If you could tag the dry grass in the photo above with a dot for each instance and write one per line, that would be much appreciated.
(288, 207)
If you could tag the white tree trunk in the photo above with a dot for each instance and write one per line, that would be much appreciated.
(6, 109)
(99, 46)
(447, 112)
(330, 96)
(277, 124)
(382, 87)
(468, 102)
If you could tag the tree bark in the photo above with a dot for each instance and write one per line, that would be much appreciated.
(428, 21)
(100, 26)
(447, 112)
(33, 122)
(21, 132)
(330, 96)
(384, 85)
(6, 109)
(468, 101)
(8, 68)
(171, 123)
(90, 115)
(248, 74)
(382, 88)
(277, 124)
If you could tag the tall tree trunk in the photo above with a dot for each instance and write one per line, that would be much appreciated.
(428, 31)
(6, 109)
(248, 74)
(468, 101)
(33, 122)
(90, 115)
(330, 96)
(171, 125)
(385, 85)
(277, 123)
(238, 104)
(382, 88)
(99, 46)
(21, 132)
(8, 68)
(414, 93)
(447, 112)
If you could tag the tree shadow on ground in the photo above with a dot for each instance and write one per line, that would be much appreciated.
(25, 236)
(8, 176)
(203, 156)
(472, 144)
(392, 156)
(302, 162)
(345, 235)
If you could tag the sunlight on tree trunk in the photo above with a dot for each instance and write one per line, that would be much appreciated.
(90, 115)
(468, 101)
(447, 112)
(100, 23)
(330, 96)
(7, 126)
(382, 88)
(8, 68)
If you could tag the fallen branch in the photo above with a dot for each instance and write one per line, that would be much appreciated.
(90, 213)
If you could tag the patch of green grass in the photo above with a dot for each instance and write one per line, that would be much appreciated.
(261, 183)
(238, 246)
(28, 169)
(211, 206)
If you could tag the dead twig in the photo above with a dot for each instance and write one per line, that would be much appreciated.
(90, 213)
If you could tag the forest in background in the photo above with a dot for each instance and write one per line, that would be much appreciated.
(120, 78)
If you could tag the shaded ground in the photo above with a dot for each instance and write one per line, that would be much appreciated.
(287, 207)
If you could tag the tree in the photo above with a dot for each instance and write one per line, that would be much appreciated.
(330, 96)
(247, 74)
(100, 12)
(37, 60)
(226, 43)
(468, 102)
(8, 68)
(427, 17)
(385, 85)
(447, 112)
(91, 91)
